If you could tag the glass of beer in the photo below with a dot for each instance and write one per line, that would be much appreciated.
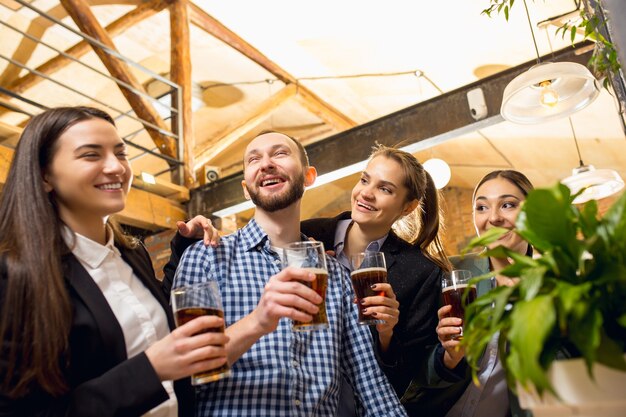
(453, 286)
(192, 301)
(311, 256)
(368, 268)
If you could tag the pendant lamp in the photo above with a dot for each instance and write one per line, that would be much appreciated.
(595, 183)
(548, 90)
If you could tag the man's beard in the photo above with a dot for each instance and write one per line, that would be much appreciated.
(278, 202)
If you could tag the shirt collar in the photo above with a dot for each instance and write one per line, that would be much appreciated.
(252, 236)
(86, 250)
(341, 231)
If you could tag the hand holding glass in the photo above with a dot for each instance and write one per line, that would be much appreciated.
(200, 300)
(453, 286)
(369, 268)
(311, 256)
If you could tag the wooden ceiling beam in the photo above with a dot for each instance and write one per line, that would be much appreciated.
(86, 21)
(180, 70)
(325, 111)
(23, 52)
(141, 12)
(436, 120)
(233, 132)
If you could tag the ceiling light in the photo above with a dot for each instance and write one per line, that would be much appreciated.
(439, 170)
(548, 91)
(596, 183)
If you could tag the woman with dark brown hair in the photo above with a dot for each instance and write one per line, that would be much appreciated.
(394, 210)
(446, 388)
(85, 326)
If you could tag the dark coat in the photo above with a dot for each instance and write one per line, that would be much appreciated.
(103, 381)
(435, 391)
(416, 281)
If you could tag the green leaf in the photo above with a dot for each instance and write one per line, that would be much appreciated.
(547, 219)
(506, 13)
(610, 354)
(531, 281)
(588, 218)
(568, 295)
(584, 331)
(622, 320)
(615, 220)
(573, 34)
(485, 239)
(526, 340)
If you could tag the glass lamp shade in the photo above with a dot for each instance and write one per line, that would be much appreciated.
(548, 91)
(597, 183)
(439, 170)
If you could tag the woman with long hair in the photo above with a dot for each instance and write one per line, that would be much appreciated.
(394, 210)
(446, 389)
(85, 326)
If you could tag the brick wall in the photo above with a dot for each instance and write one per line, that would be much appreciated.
(457, 213)
(158, 246)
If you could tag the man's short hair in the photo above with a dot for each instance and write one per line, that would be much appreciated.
(303, 155)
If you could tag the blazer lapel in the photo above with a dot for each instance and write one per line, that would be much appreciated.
(87, 289)
(391, 247)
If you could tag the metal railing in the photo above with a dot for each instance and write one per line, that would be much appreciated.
(20, 102)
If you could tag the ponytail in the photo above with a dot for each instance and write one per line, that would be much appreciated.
(431, 221)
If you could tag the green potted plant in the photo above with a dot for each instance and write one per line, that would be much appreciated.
(570, 299)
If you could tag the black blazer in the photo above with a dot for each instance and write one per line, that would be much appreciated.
(416, 280)
(103, 381)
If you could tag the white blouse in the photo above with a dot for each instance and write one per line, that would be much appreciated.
(139, 314)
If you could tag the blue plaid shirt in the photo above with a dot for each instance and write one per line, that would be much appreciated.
(285, 373)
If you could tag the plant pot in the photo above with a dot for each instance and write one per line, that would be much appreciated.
(578, 394)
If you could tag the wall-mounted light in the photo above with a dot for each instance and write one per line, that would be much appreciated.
(439, 170)
(148, 178)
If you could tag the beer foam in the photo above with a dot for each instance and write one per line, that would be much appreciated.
(376, 269)
(319, 271)
(455, 287)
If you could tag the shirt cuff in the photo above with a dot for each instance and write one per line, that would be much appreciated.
(451, 375)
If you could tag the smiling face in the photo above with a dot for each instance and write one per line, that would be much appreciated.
(380, 196)
(89, 176)
(497, 204)
(274, 174)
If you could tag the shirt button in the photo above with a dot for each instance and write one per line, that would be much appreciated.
(295, 364)
(297, 403)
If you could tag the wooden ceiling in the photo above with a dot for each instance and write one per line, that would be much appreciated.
(312, 72)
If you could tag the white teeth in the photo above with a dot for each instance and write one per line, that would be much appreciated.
(115, 186)
(270, 182)
(365, 206)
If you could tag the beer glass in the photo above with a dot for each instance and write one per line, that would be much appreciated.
(368, 268)
(453, 286)
(192, 301)
(311, 256)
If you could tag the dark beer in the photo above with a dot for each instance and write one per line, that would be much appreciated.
(362, 281)
(319, 285)
(187, 314)
(453, 296)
